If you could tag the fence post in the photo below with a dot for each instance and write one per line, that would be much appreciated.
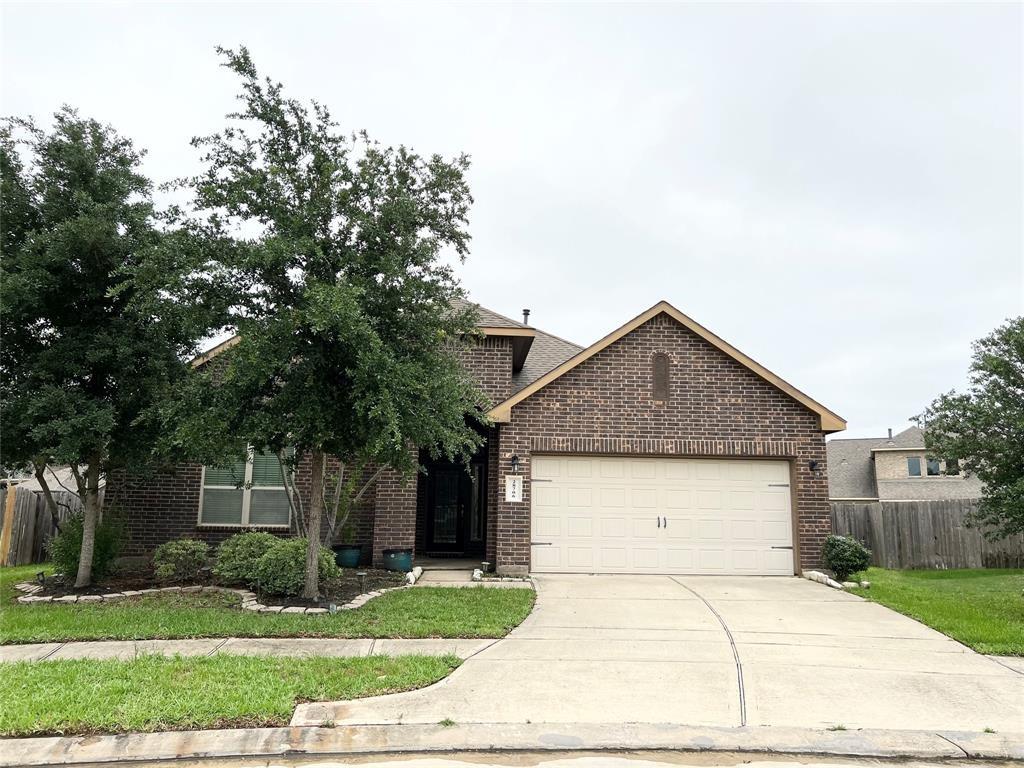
(5, 534)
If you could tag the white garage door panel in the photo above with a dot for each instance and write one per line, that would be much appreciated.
(617, 515)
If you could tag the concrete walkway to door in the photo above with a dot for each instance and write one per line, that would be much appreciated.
(720, 651)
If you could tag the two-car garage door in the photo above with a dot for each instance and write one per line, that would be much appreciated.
(626, 515)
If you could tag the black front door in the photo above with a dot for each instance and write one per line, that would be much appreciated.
(456, 517)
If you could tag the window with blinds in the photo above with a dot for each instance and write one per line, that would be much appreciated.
(248, 492)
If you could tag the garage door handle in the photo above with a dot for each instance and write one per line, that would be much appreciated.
(659, 521)
(541, 543)
(789, 547)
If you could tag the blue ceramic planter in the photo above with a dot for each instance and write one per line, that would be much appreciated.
(347, 555)
(398, 560)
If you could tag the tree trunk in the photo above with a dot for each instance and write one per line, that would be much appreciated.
(91, 502)
(311, 589)
(51, 503)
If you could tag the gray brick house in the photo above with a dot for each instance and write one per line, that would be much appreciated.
(658, 449)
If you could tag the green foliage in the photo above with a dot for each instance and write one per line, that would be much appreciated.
(65, 548)
(237, 556)
(845, 556)
(344, 305)
(422, 612)
(156, 693)
(348, 315)
(99, 306)
(180, 560)
(93, 299)
(983, 428)
(981, 608)
(282, 570)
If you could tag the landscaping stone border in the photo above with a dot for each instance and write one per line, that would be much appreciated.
(828, 581)
(250, 602)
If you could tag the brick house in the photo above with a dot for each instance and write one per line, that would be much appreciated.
(658, 449)
(895, 468)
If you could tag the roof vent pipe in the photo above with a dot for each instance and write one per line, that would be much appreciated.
(890, 434)
(526, 317)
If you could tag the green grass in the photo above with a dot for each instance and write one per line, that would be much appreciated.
(983, 608)
(154, 693)
(409, 613)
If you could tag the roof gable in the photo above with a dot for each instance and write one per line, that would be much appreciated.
(830, 421)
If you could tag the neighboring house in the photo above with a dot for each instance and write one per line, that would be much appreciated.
(658, 449)
(894, 468)
(58, 479)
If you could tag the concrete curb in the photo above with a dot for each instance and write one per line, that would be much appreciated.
(527, 737)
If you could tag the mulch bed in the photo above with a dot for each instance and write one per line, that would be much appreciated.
(344, 588)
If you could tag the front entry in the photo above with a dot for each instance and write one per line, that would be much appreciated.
(456, 514)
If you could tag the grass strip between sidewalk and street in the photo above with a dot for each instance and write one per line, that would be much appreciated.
(421, 612)
(154, 693)
(982, 608)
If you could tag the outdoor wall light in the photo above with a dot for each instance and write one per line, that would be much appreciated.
(515, 464)
(815, 466)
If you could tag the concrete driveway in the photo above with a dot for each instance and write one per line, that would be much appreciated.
(722, 651)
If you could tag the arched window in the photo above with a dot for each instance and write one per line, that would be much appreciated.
(659, 374)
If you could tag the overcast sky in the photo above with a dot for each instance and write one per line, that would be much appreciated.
(835, 189)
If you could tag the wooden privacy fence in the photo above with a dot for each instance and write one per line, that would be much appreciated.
(925, 534)
(28, 524)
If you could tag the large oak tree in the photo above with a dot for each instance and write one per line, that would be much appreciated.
(97, 316)
(983, 428)
(341, 299)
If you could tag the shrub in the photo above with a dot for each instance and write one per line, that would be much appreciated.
(845, 556)
(237, 556)
(180, 560)
(282, 570)
(65, 548)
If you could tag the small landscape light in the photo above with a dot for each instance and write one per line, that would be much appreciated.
(362, 581)
(41, 577)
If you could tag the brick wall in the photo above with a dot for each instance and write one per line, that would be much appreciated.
(716, 407)
(394, 521)
(165, 506)
(489, 360)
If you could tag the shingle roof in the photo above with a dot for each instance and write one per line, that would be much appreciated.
(851, 470)
(547, 352)
(912, 437)
(488, 318)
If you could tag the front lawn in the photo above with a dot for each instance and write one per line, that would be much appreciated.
(982, 608)
(153, 693)
(410, 613)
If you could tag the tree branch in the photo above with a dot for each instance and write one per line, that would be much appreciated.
(51, 503)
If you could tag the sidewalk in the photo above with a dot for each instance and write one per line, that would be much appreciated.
(536, 737)
(299, 646)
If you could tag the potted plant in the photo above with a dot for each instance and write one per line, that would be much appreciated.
(347, 553)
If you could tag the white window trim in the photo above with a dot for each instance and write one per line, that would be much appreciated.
(246, 490)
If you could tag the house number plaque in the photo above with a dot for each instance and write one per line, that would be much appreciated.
(513, 487)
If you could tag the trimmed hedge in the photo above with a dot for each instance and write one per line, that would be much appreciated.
(282, 570)
(237, 556)
(845, 556)
(180, 560)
